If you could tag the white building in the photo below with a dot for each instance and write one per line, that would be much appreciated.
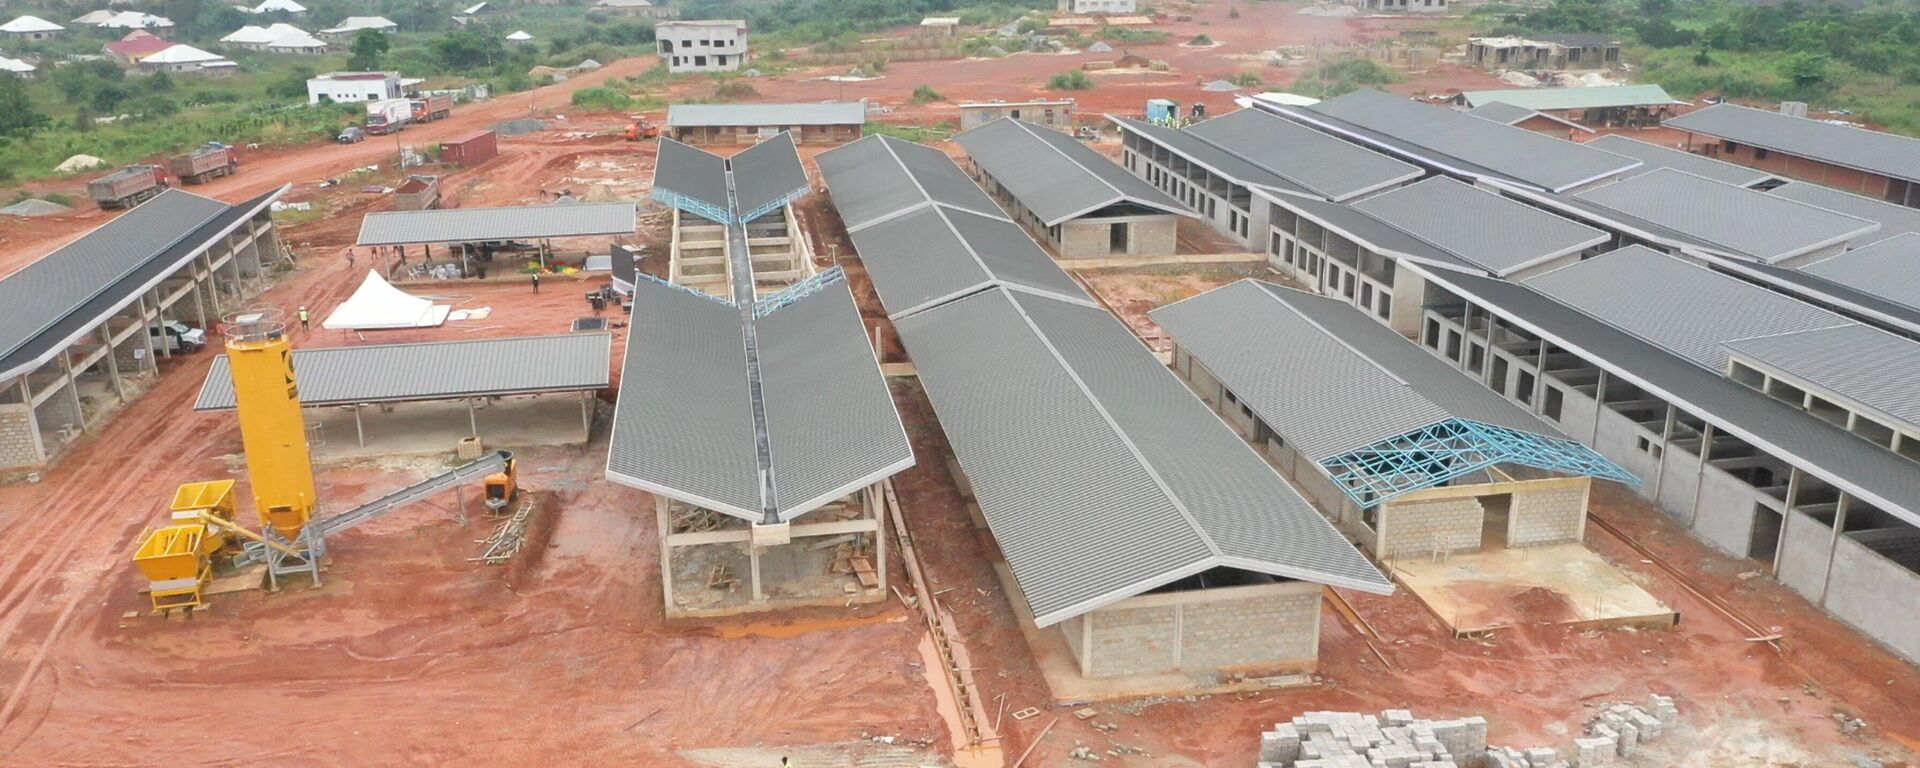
(519, 37)
(702, 46)
(1098, 6)
(1408, 6)
(352, 26)
(136, 20)
(31, 28)
(349, 87)
(275, 38)
(186, 58)
(275, 6)
(16, 67)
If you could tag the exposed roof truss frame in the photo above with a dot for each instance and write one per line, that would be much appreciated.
(1440, 452)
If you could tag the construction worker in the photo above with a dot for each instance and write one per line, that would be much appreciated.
(536, 282)
(349, 258)
(304, 319)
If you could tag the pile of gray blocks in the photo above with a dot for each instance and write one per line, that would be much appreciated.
(1395, 739)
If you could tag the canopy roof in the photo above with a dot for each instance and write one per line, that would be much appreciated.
(440, 370)
(472, 225)
(377, 305)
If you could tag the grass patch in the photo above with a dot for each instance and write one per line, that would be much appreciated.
(918, 133)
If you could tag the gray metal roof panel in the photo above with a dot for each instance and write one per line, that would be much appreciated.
(940, 180)
(916, 258)
(1195, 149)
(1894, 219)
(1856, 362)
(1869, 150)
(1889, 269)
(1559, 99)
(1235, 498)
(1074, 511)
(1888, 480)
(830, 417)
(1379, 235)
(440, 370)
(881, 176)
(531, 222)
(692, 173)
(1682, 307)
(1744, 221)
(1011, 255)
(1502, 112)
(1656, 156)
(76, 286)
(1500, 235)
(1084, 505)
(1053, 174)
(816, 113)
(1443, 136)
(683, 425)
(1331, 168)
(766, 172)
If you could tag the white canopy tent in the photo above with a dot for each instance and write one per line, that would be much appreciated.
(377, 305)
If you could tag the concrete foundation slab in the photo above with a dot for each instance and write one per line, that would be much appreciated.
(1559, 584)
(437, 427)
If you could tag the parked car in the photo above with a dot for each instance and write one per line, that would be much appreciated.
(353, 135)
(178, 336)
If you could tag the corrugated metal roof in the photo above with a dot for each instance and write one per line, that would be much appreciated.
(1883, 478)
(692, 173)
(1054, 175)
(1498, 234)
(1327, 166)
(1099, 474)
(1357, 225)
(1459, 143)
(1894, 219)
(528, 222)
(1221, 162)
(918, 249)
(773, 115)
(1858, 363)
(1301, 361)
(830, 417)
(1685, 308)
(1592, 97)
(45, 305)
(1889, 269)
(441, 370)
(1868, 150)
(1656, 156)
(881, 176)
(1892, 315)
(766, 172)
(684, 424)
(1501, 112)
(1742, 221)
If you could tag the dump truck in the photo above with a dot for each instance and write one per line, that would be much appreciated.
(431, 108)
(128, 186)
(388, 116)
(209, 162)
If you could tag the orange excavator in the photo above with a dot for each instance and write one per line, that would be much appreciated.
(641, 129)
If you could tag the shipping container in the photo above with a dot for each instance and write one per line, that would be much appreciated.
(128, 186)
(473, 149)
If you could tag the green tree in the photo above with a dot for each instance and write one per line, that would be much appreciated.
(18, 117)
(1805, 68)
(369, 49)
(925, 93)
(467, 49)
(1070, 80)
(292, 85)
(160, 82)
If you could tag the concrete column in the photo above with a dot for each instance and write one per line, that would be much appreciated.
(877, 509)
(666, 551)
(359, 429)
(1466, 339)
(1540, 379)
(753, 569)
(33, 421)
(1833, 545)
(1666, 444)
(73, 388)
(473, 422)
(1780, 544)
(1599, 407)
(1706, 454)
(113, 365)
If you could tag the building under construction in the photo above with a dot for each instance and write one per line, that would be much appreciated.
(700, 249)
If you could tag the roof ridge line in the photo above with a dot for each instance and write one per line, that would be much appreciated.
(1848, 324)
(1069, 158)
(1126, 440)
(1264, 166)
(1275, 298)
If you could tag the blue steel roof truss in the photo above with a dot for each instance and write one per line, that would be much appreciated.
(797, 291)
(695, 206)
(1438, 453)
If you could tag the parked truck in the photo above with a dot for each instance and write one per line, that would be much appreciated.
(388, 116)
(128, 186)
(432, 108)
(209, 162)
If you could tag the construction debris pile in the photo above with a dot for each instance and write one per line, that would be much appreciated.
(1394, 739)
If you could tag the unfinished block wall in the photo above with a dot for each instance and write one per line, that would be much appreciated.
(16, 436)
(1547, 516)
(1424, 526)
(1265, 625)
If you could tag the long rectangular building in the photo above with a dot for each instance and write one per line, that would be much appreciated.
(1883, 166)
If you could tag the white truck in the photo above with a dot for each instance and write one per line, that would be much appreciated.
(388, 116)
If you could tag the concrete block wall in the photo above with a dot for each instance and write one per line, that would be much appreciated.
(1723, 515)
(1803, 555)
(1679, 481)
(17, 447)
(1131, 641)
(57, 411)
(1877, 595)
(1547, 516)
(1154, 236)
(1419, 527)
(1262, 625)
(1084, 239)
(1264, 629)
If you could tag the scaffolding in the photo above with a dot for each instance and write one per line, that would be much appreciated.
(1438, 453)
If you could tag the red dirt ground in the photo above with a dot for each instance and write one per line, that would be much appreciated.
(412, 655)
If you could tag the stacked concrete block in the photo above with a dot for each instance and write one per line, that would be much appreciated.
(1542, 757)
(1593, 752)
(1280, 746)
(1353, 740)
(16, 437)
(1542, 517)
(1423, 526)
(1663, 709)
